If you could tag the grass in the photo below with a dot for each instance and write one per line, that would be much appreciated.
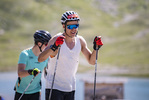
(146, 75)
(121, 47)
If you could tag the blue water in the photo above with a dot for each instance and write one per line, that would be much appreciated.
(134, 88)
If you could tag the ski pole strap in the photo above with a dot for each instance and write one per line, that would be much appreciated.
(54, 47)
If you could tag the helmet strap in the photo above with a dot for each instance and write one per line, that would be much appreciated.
(77, 33)
(65, 31)
(40, 47)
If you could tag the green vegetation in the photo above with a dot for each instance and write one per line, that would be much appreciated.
(123, 26)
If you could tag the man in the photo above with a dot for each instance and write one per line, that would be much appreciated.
(29, 67)
(70, 45)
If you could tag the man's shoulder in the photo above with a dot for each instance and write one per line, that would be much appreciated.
(80, 37)
(58, 34)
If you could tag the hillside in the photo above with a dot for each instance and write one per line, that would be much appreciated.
(123, 25)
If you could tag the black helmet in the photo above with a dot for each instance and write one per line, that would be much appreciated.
(69, 16)
(42, 36)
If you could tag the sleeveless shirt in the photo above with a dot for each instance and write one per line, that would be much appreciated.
(66, 69)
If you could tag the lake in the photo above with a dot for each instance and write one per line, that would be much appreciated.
(134, 88)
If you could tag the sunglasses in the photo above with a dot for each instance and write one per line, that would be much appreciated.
(73, 26)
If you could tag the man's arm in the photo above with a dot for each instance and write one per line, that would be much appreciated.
(48, 51)
(90, 56)
(52, 48)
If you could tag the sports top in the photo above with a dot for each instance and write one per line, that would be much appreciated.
(66, 69)
(27, 57)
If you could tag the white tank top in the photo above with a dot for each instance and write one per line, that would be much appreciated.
(67, 66)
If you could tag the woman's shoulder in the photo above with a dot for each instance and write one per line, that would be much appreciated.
(26, 51)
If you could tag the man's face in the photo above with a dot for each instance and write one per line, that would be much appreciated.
(72, 28)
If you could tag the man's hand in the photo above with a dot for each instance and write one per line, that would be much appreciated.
(97, 43)
(59, 41)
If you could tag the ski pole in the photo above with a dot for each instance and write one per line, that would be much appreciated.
(95, 74)
(26, 88)
(54, 74)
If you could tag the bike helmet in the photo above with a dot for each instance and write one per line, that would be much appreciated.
(69, 16)
(42, 36)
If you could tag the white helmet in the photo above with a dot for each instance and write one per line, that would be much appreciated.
(69, 16)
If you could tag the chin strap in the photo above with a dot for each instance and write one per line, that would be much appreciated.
(65, 31)
(40, 47)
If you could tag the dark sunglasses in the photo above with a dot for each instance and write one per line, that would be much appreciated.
(73, 26)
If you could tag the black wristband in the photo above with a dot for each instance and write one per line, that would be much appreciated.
(54, 47)
(97, 47)
(30, 71)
